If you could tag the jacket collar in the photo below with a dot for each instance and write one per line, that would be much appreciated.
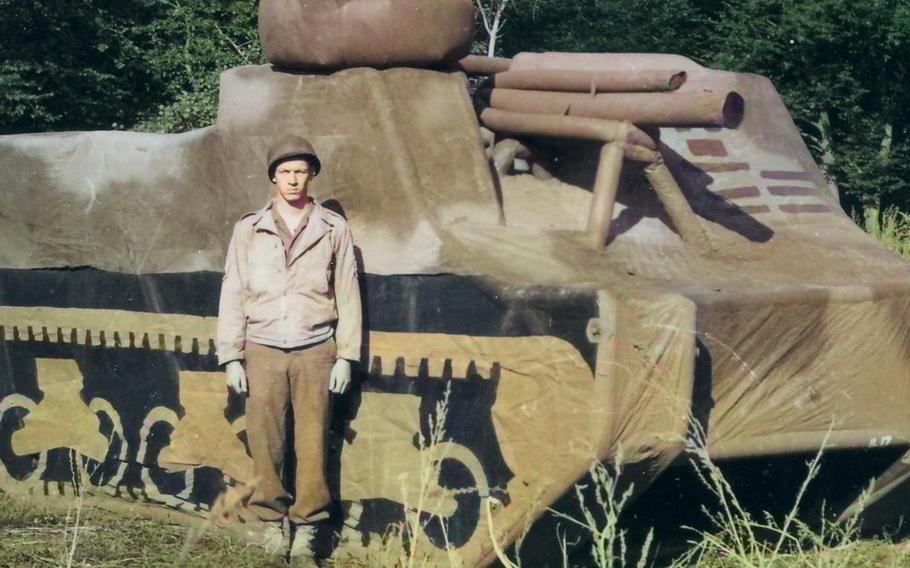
(263, 219)
(263, 216)
(318, 225)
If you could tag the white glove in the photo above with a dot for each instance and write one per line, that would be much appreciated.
(236, 377)
(340, 377)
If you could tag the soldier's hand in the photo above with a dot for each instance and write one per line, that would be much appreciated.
(236, 377)
(340, 377)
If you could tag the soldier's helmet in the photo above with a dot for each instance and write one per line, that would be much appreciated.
(292, 147)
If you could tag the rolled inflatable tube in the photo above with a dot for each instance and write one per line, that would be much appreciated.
(606, 184)
(638, 153)
(504, 153)
(704, 108)
(482, 65)
(676, 205)
(610, 61)
(646, 80)
(555, 126)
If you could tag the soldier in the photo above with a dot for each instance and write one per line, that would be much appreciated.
(289, 327)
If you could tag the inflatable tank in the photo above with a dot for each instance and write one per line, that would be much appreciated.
(565, 259)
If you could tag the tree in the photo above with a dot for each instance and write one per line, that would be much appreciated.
(114, 64)
(492, 15)
(188, 44)
(68, 64)
(598, 26)
(842, 68)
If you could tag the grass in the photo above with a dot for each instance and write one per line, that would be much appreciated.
(891, 227)
(737, 539)
(741, 540)
(600, 518)
(80, 531)
(867, 554)
(33, 533)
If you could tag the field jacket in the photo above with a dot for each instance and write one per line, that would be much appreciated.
(294, 299)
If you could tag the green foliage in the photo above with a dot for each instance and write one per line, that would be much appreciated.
(841, 66)
(35, 535)
(109, 64)
(188, 44)
(66, 64)
(669, 26)
(891, 227)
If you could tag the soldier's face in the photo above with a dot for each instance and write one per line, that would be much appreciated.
(291, 179)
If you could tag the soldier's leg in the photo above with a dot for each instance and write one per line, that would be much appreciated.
(266, 420)
(309, 372)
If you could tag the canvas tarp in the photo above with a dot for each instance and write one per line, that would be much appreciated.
(144, 203)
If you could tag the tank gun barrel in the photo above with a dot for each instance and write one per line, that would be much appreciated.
(577, 128)
(482, 65)
(570, 80)
(698, 108)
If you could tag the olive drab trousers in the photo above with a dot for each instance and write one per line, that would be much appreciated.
(289, 384)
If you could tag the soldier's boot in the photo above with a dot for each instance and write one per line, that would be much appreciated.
(303, 554)
(272, 539)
